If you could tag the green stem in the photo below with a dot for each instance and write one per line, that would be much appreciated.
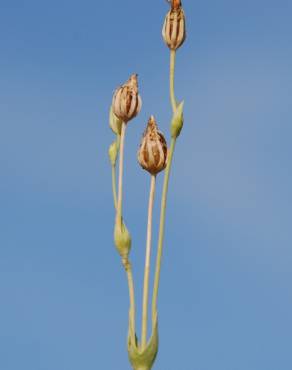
(121, 168)
(118, 140)
(125, 262)
(161, 227)
(128, 268)
(165, 189)
(171, 79)
(147, 264)
(114, 185)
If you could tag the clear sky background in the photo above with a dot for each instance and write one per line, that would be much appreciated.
(225, 300)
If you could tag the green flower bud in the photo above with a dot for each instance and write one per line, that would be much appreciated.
(122, 239)
(177, 121)
(113, 153)
(114, 122)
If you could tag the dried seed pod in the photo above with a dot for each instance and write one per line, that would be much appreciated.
(126, 100)
(152, 154)
(174, 27)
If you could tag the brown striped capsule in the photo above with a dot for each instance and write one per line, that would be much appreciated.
(152, 154)
(174, 27)
(126, 100)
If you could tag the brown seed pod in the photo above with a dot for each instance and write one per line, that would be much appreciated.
(174, 27)
(126, 100)
(152, 154)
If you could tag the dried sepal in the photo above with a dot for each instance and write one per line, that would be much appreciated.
(127, 102)
(174, 27)
(152, 154)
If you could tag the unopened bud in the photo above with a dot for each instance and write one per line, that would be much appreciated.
(177, 121)
(126, 100)
(114, 122)
(152, 154)
(113, 153)
(174, 28)
(122, 239)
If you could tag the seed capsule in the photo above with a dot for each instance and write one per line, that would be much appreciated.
(152, 154)
(126, 100)
(174, 28)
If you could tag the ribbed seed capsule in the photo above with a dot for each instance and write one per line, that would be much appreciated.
(126, 100)
(152, 154)
(174, 28)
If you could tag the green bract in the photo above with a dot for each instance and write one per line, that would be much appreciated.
(113, 152)
(114, 122)
(143, 359)
(122, 239)
(177, 121)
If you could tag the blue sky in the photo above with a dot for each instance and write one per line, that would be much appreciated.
(225, 300)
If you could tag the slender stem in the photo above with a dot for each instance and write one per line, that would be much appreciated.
(121, 168)
(114, 185)
(126, 262)
(171, 79)
(118, 140)
(165, 189)
(161, 228)
(114, 181)
(147, 264)
(128, 268)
